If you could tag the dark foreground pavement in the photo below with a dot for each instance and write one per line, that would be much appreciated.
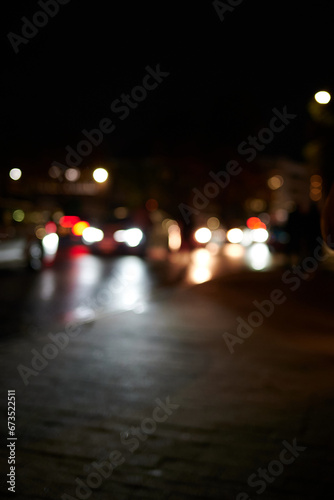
(229, 414)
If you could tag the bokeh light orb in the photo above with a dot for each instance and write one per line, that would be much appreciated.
(15, 174)
(79, 227)
(100, 175)
(18, 215)
(203, 235)
(213, 223)
(72, 174)
(322, 97)
(234, 235)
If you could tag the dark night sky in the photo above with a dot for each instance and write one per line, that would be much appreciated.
(225, 77)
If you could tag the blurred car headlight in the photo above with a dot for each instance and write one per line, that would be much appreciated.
(119, 236)
(260, 235)
(50, 244)
(203, 235)
(92, 235)
(133, 236)
(234, 235)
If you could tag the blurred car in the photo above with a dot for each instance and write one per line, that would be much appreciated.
(20, 246)
(24, 250)
(152, 235)
(116, 237)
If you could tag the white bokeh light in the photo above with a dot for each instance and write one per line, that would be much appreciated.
(15, 174)
(100, 175)
(92, 235)
(203, 235)
(234, 235)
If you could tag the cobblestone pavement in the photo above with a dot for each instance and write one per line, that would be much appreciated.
(189, 419)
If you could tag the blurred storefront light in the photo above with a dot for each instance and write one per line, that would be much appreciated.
(121, 212)
(57, 216)
(72, 174)
(18, 215)
(40, 232)
(257, 205)
(316, 180)
(316, 187)
(167, 223)
(275, 182)
(315, 194)
(281, 215)
(213, 223)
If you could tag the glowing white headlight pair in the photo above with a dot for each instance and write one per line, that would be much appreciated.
(131, 237)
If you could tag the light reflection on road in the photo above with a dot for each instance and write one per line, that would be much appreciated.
(206, 263)
(83, 287)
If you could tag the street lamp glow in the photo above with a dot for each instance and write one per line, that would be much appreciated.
(100, 175)
(15, 174)
(322, 97)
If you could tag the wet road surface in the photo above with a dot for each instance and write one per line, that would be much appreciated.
(154, 340)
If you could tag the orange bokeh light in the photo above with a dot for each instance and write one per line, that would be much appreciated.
(255, 223)
(79, 227)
